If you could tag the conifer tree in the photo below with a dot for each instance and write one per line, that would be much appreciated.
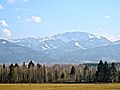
(113, 73)
(31, 71)
(4, 74)
(100, 72)
(12, 74)
(62, 75)
(72, 71)
(106, 72)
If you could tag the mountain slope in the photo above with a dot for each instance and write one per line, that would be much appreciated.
(10, 52)
(109, 53)
(79, 41)
(39, 44)
(116, 42)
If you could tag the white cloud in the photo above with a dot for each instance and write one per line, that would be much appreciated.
(107, 17)
(1, 7)
(17, 1)
(36, 19)
(6, 32)
(33, 19)
(3, 23)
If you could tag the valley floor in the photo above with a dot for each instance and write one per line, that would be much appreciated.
(115, 86)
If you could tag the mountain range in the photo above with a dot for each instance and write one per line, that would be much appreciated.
(69, 47)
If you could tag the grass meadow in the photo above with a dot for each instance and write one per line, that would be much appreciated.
(114, 86)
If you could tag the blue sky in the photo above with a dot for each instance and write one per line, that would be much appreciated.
(41, 18)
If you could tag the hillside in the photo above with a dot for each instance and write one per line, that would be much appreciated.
(10, 52)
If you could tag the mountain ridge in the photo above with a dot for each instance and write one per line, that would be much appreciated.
(59, 45)
(86, 40)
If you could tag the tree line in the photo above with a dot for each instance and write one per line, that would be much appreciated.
(60, 73)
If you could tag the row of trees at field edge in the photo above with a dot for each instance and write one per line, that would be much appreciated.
(82, 73)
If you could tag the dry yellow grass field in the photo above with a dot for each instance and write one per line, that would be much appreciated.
(60, 87)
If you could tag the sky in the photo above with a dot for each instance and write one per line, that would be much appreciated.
(44, 18)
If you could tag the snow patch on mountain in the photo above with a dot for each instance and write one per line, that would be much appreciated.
(90, 36)
(47, 46)
(4, 42)
(29, 45)
(47, 39)
(97, 36)
(44, 48)
(53, 46)
(78, 45)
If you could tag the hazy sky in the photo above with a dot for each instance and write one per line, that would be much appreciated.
(41, 18)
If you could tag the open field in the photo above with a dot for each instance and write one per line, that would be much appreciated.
(60, 86)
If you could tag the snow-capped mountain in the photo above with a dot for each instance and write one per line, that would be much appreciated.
(69, 41)
(68, 47)
(83, 39)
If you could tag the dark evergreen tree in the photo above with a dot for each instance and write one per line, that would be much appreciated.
(72, 71)
(100, 72)
(39, 73)
(12, 74)
(16, 65)
(17, 72)
(62, 75)
(72, 74)
(31, 72)
(106, 72)
(31, 64)
(44, 73)
(4, 74)
(113, 73)
(24, 73)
